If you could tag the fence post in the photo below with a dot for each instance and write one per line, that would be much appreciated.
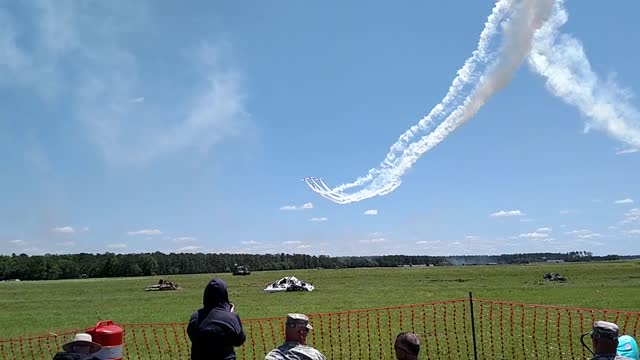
(473, 327)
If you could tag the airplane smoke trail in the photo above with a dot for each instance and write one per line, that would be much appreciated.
(485, 73)
(560, 59)
(466, 76)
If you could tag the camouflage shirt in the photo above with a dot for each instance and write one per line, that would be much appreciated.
(294, 351)
(609, 357)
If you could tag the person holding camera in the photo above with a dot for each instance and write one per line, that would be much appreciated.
(215, 329)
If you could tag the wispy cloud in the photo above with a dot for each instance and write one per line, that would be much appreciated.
(626, 151)
(544, 229)
(17, 242)
(64, 230)
(103, 91)
(371, 212)
(583, 234)
(147, 232)
(634, 232)
(181, 238)
(189, 248)
(631, 216)
(624, 201)
(117, 246)
(291, 242)
(534, 235)
(318, 219)
(372, 240)
(294, 207)
(509, 213)
(68, 243)
(250, 242)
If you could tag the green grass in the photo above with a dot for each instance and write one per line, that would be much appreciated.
(28, 308)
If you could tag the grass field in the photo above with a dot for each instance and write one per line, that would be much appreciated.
(28, 308)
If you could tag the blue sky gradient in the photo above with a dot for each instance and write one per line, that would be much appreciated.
(131, 127)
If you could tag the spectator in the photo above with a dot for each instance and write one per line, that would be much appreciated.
(80, 348)
(605, 341)
(295, 344)
(628, 347)
(215, 329)
(407, 346)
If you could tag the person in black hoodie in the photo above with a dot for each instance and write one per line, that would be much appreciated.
(215, 329)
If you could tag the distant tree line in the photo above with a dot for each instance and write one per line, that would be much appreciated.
(51, 267)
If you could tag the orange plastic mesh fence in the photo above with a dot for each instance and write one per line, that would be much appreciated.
(525, 331)
(503, 330)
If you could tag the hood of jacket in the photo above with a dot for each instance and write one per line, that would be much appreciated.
(216, 295)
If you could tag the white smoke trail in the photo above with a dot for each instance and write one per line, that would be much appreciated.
(519, 21)
(466, 76)
(561, 60)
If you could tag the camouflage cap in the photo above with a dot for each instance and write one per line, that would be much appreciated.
(604, 330)
(298, 321)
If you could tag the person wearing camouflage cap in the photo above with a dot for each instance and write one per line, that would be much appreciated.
(604, 337)
(295, 345)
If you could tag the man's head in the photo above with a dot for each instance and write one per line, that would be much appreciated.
(297, 328)
(407, 346)
(82, 344)
(604, 337)
(216, 295)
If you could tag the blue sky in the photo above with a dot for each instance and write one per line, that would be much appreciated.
(134, 126)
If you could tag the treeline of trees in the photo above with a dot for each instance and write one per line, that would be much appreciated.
(50, 267)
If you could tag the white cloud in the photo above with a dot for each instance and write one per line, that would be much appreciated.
(371, 212)
(291, 242)
(567, 212)
(626, 151)
(424, 244)
(624, 201)
(183, 239)
(251, 242)
(68, 243)
(17, 242)
(304, 246)
(583, 234)
(544, 229)
(373, 240)
(145, 232)
(189, 248)
(534, 235)
(634, 232)
(64, 230)
(117, 246)
(318, 219)
(632, 215)
(503, 213)
(103, 95)
(294, 207)
(85, 229)
(472, 237)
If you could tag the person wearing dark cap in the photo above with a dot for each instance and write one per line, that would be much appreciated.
(215, 329)
(295, 345)
(604, 337)
(407, 346)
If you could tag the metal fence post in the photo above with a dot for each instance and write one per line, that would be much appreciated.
(473, 327)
